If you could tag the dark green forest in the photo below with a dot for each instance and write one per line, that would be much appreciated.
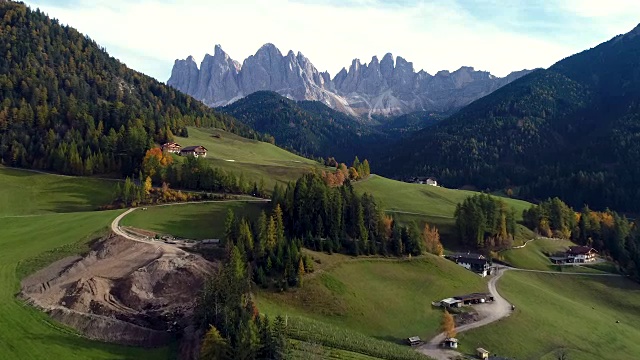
(570, 131)
(68, 107)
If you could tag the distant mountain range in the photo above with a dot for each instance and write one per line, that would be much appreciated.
(385, 87)
(572, 131)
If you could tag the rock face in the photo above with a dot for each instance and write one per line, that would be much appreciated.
(382, 87)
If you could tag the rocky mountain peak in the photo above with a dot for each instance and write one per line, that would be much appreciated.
(388, 86)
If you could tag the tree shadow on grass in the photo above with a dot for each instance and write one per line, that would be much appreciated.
(77, 197)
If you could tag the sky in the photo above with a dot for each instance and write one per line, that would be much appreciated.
(498, 36)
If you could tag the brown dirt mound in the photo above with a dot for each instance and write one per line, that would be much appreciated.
(123, 291)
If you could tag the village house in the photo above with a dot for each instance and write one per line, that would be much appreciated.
(171, 147)
(581, 254)
(575, 255)
(195, 151)
(424, 180)
(473, 262)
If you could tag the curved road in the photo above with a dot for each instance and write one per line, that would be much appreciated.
(115, 224)
(489, 312)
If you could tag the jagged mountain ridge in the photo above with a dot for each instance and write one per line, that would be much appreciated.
(386, 87)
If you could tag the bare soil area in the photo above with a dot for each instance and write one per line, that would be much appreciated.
(123, 291)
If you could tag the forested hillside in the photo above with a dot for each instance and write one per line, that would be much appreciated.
(67, 106)
(570, 131)
(307, 127)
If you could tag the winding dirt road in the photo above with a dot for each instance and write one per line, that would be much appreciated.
(488, 312)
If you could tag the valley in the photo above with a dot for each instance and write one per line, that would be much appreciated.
(253, 211)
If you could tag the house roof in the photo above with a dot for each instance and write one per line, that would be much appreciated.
(481, 350)
(453, 340)
(466, 255)
(414, 339)
(580, 250)
(194, 148)
(451, 301)
(472, 260)
(473, 296)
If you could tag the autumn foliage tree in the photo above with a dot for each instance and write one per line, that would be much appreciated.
(448, 325)
(431, 238)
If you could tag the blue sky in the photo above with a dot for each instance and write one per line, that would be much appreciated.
(499, 36)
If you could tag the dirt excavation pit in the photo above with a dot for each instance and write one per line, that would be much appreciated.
(123, 291)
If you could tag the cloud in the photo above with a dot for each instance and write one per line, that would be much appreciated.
(435, 35)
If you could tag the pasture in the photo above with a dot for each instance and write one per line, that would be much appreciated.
(191, 221)
(255, 159)
(351, 293)
(30, 243)
(30, 193)
(574, 313)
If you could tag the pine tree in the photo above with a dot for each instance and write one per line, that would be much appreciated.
(230, 227)
(214, 346)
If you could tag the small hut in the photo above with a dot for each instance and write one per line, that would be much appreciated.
(482, 353)
(451, 343)
(414, 341)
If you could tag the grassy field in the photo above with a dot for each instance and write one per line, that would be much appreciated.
(553, 312)
(533, 255)
(191, 221)
(26, 333)
(28, 193)
(256, 159)
(384, 298)
(429, 204)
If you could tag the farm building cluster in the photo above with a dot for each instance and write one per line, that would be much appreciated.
(473, 262)
(175, 148)
(465, 300)
(423, 180)
(575, 255)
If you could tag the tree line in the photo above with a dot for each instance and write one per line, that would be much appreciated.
(196, 174)
(68, 107)
(275, 260)
(337, 219)
(607, 231)
(485, 222)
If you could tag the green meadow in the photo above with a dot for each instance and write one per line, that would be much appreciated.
(429, 204)
(255, 159)
(29, 193)
(191, 221)
(574, 313)
(387, 299)
(37, 237)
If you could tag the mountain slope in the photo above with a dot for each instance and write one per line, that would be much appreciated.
(571, 131)
(70, 107)
(388, 87)
(308, 127)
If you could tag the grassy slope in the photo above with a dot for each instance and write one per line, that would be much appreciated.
(27, 244)
(578, 313)
(422, 203)
(27, 193)
(532, 256)
(192, 221)
(383, 298)
(26, 333)
(257, 160)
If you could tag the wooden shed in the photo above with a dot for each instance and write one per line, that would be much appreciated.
(482, 353)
